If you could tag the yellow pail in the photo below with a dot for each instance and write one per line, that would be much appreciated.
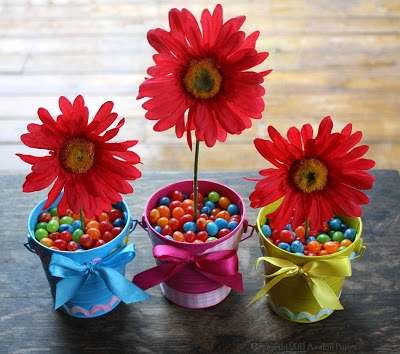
(294, 296)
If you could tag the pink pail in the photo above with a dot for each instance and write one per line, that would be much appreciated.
(190, 288)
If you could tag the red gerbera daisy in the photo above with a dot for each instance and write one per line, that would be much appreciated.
(91, 171)
(315, 176)
(203, 71)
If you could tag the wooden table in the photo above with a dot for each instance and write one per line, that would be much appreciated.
(370, 321)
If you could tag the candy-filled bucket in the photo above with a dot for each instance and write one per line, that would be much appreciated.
(303, 288)
(194, 275)
(88, 283)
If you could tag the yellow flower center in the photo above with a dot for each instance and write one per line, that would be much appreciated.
(309, 174)
(202, 78)
(77, 155)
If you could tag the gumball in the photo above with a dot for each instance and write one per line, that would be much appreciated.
(284, 246)
(174, 224)
(41, 233)
(115, 214)
(223, 232)
(190, 236)
(213, 196)
(154, 215)
(164, 211)
(177, 196)
(186, 203)
(233, 209)
(45, 241)
(203, 236)
(266, 230)
(346, 243)
(54, 235)
(178, 212)
(66, 220)
(186, 218)
(190, 226)
(162, 221)
(167, 230)
(76, 235)
(105, 226)
(94, 233)
(199, 197)
(116, 231)
(52, 226)
(232, 225)
(119, 223)
(322, 238)
(221, 223)
(72, 246)
(335, 224)
(53, 211)
(286, 236)
(275, 235)
(224, 202)
(314, 246)
(296, 247)
(99, 242)
(107, 236)
(300, 231)
(104, 217)
(209, 204)
(93, 224)
(66, 236)
(350, 234)
(338, 236)
(164, 201)
(201, 223)
(85, 240)
(178, 236)
(175, 204)
(212, 228)
(44, 216)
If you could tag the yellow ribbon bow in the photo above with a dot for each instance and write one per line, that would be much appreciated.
(313, 272)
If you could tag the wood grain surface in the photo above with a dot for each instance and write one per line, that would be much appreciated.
(370, 321)
(338, 58)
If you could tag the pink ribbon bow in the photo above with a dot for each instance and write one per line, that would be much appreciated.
(220, 266)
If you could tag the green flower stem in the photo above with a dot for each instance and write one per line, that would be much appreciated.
(82, 217)
(306, 227)
(195, 184)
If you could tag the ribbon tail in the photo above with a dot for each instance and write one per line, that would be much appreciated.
(323, 293)
(122, 287)
(67, 288)
(156, 275)
(267, 287)
(234, 281)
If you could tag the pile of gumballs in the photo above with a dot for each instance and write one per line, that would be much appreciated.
(335, 236)
(173, 217)
(65, 232)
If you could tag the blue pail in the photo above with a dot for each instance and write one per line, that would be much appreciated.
(93, 298)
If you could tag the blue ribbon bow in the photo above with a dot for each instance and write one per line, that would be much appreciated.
(75, 276)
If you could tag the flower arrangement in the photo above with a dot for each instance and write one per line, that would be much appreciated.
(310, 202)
(84, 209)
(200, 81)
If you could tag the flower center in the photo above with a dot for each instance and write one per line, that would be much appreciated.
(202, 78)
(309, 174)
(77, 155)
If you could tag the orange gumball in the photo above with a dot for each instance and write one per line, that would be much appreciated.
(331, 246)
(345, 243)
(93, 233)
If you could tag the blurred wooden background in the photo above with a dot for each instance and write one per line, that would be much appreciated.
(338, 58)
